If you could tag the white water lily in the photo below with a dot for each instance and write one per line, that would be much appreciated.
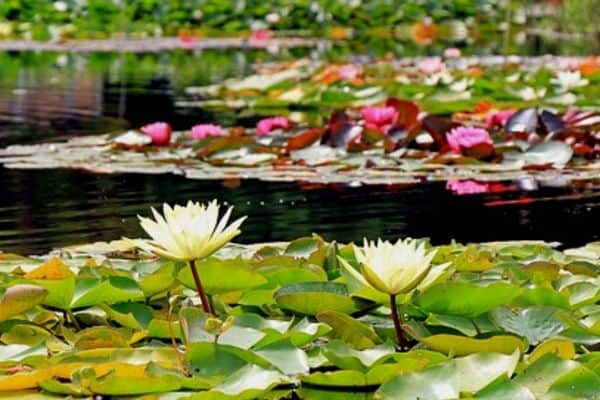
(187, 233)
(395, 268)
(528, 93)
(565, 99)
(567, 80)
(405, 80)
(443, 77)
(60, 6)
(461, 85)
(513, 77)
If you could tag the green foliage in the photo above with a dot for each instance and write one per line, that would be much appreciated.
(579, 15)
(101, 18)
(474, 336)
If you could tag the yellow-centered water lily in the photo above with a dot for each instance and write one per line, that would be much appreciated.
(187, 232)
(395, 268)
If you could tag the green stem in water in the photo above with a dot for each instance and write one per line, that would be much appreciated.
(396, 319)
(205, 303)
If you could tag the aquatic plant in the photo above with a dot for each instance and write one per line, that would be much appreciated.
(100, 319)
(189, 233)
(467, 138)
(159, 132)
(395, 269)
(203, 131)
(266, 125)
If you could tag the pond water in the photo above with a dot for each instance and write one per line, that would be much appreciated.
(48, 96)
(41, 210)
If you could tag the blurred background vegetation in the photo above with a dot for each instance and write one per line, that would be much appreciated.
(579, 16)
(45, 19)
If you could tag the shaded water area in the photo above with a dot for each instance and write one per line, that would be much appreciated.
(41, 210)
(48, 96)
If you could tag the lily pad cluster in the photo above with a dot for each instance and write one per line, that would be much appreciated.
(516, 319)
(393, 142)
(439, 84)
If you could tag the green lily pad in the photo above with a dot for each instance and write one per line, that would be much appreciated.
(20, 298)
(466, 299)
(356, 334)
(311, 298)
(219, 276)
(533, 323)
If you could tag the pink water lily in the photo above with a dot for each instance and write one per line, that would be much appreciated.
(498, 119)
(159, 132)
(452, 52)
(467, 187)
(431, 65)
(202, 131)
(266, 125)
(260, 35)
(569, 64)
(466, 137)
(187, 40)
(349, 72)
(379, 117)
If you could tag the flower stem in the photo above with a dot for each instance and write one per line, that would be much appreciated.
(396, 319)
(205, 303)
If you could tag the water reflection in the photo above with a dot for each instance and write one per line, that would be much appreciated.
(40, 210)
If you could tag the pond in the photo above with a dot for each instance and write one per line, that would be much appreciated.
(488, 159)
(50, 96)
(42, 210)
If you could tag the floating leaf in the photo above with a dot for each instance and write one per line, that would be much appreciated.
(460, 345)
(310, 298)
(438, 382)
(466, 299)
(533, 323)
(525, 120)
(356, 334)
(20, 298)
(223, 275)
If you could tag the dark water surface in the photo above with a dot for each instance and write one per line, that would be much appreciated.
(40, 210)
(47, 96)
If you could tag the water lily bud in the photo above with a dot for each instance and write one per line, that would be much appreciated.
(160, 132)
(212, 325)
(266, 125)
